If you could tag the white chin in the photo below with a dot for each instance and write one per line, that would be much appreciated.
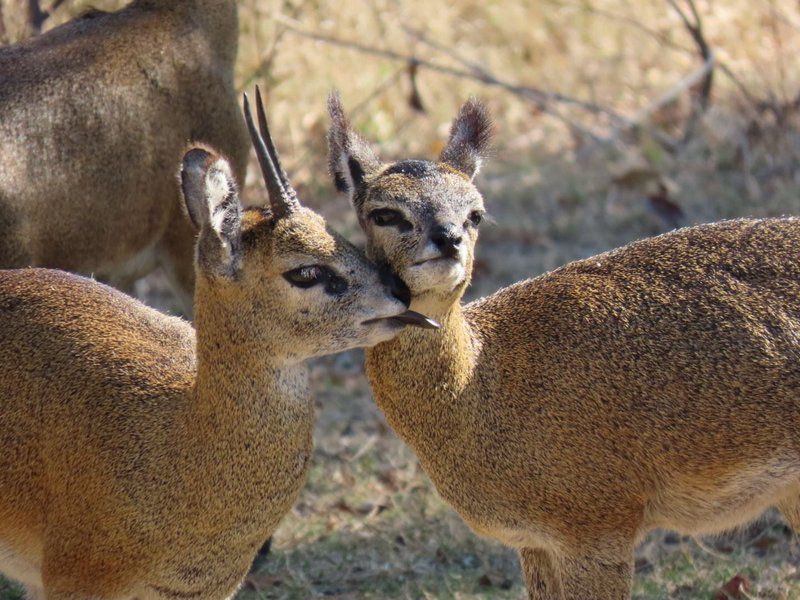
(441, 274)
(381, 332)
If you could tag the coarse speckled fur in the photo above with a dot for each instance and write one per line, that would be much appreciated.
(93, 117)
(145, 459)
(656, 385)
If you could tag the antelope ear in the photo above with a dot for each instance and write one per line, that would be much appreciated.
(350, 158)
(212, 202)
(470, 138)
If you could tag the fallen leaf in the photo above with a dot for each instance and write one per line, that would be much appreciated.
(733, 590)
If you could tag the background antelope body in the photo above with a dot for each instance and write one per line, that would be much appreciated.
(656, 385)
(94, 116)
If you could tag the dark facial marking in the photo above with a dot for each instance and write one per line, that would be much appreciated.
(411, 168)
(388, 217)
(307, 277)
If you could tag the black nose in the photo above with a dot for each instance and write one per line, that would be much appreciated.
(397, 287)
(447, 237)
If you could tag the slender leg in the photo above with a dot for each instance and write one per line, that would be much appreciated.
(177, 259)
(790, 509)
(599, 577)
(541, 574)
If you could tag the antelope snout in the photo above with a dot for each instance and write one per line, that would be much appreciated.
(447, 237)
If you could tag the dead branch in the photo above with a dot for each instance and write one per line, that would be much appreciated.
(688, 82)
(660, 37)
(665, 41)
(268, 59)
(695, 29)
(620, 123)
(541, 97)
(544, 100)
(547, 101)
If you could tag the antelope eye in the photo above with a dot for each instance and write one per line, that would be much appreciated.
(388, 217)
(306, 277)
(475, 217)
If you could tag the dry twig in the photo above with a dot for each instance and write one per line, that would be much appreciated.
(705, 73)
(270, 55)
(544, 100)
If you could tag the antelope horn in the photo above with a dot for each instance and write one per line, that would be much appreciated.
(279, 200)
(273, 153)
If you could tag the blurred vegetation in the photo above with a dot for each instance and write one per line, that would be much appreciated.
(609, 129)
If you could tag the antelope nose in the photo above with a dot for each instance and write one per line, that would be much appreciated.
(447, 237)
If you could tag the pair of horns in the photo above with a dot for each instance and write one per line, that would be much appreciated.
(282, 197)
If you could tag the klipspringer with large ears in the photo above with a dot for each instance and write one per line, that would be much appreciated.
(421, 217)
(653, 386)
(151, 458)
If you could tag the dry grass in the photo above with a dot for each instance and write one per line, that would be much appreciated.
(368, 524)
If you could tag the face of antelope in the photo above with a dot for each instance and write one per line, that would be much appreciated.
(421, 217)
(289, 278)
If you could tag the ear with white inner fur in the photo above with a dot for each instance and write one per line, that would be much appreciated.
(470, 138)
(212, 202)
(350, 157)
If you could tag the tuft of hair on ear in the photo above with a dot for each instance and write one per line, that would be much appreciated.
(470, 138)
(350, 157)
(211, 199)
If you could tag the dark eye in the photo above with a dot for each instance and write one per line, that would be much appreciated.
(335, 284)
(475, 217)
(306, 277)
(388, 217)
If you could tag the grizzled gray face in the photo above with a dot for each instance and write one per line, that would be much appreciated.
(421, 217)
